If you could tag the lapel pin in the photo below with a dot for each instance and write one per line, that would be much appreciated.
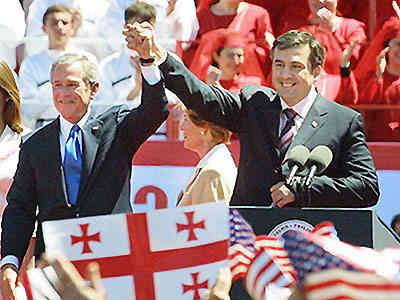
(95, 129)
(314, 124)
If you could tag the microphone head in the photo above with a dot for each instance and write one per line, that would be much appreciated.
(321, 156)
(298, 155)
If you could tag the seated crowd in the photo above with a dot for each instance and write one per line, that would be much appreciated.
(224, 42)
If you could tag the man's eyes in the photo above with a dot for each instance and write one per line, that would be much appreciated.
(68, 85)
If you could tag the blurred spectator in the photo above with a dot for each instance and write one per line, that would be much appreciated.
(215, 175)
(12, 29)
(333, 31)
(11, 129)
(176, 21)
(396, 224)
(34, 75)
(378, 76)
(122, 79)
(238, 16)
(85, 18)
(222, 60)
(381, 12)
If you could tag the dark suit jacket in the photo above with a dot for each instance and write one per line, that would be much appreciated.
(109, 142)
(349, 181)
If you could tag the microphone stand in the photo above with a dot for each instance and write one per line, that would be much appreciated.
(307, 191)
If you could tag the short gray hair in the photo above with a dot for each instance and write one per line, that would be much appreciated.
(90, 68)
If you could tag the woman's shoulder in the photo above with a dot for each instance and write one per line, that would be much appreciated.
(220, 160)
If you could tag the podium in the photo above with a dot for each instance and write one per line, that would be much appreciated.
(360, 227)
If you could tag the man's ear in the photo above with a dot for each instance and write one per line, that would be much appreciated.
(215, 57)
(44, 28)
(317, 71)
(94, 89)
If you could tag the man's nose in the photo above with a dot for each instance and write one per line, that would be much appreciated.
(285, 72)
(60, 24)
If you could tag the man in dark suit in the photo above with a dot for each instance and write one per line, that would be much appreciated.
(45, 185)
(259, 116)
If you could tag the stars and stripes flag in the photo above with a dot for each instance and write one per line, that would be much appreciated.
(333, 284)
(312, 253)
(242, 246)
(163, 254)
(259, 260)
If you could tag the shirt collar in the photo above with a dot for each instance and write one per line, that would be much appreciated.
(65, 126)
(210, 153)
(304, 105)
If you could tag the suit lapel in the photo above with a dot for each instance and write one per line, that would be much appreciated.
(90, 140)
(51, 154)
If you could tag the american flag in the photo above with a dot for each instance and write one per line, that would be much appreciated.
(310, 253)
(336, 284)
(259, 260)
(270, 265)
(242, 246)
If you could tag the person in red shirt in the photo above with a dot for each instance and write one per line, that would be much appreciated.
(222, 60)
(378, 76)
(237, 15)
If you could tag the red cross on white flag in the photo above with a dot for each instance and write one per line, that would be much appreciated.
(163, 254)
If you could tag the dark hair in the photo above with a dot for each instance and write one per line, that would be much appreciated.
(296, 38)
(220, 135)
(140, 12)
(12, 111)
(56, 9)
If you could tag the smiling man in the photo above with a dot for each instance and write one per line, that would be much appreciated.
(260, 115)
(77, 165)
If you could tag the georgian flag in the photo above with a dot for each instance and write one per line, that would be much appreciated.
(163, 254)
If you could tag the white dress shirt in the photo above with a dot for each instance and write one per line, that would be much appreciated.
(302, 108)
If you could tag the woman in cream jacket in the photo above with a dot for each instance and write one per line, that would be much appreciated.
(215, 174)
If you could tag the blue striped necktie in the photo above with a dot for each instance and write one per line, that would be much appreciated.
(73, 164)
(288, 132)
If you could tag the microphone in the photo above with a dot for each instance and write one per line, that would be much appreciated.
(296, 160)
(319, 159)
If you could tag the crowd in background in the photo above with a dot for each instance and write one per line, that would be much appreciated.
(224, 42)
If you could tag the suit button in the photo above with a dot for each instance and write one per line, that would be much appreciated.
(77, 215)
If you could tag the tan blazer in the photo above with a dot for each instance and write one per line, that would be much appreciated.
(213, 179)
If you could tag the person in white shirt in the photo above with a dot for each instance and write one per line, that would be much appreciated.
(176, 21)
(12, 29)
(11, 131)
(121, 79)
(85, 18)
(34, 74)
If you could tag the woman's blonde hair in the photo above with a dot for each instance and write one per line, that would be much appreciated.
(220, 135)
(12, 109)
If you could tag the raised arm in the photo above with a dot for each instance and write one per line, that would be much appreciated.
(211, 103)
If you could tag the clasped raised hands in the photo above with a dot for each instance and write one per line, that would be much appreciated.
(140, 37)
